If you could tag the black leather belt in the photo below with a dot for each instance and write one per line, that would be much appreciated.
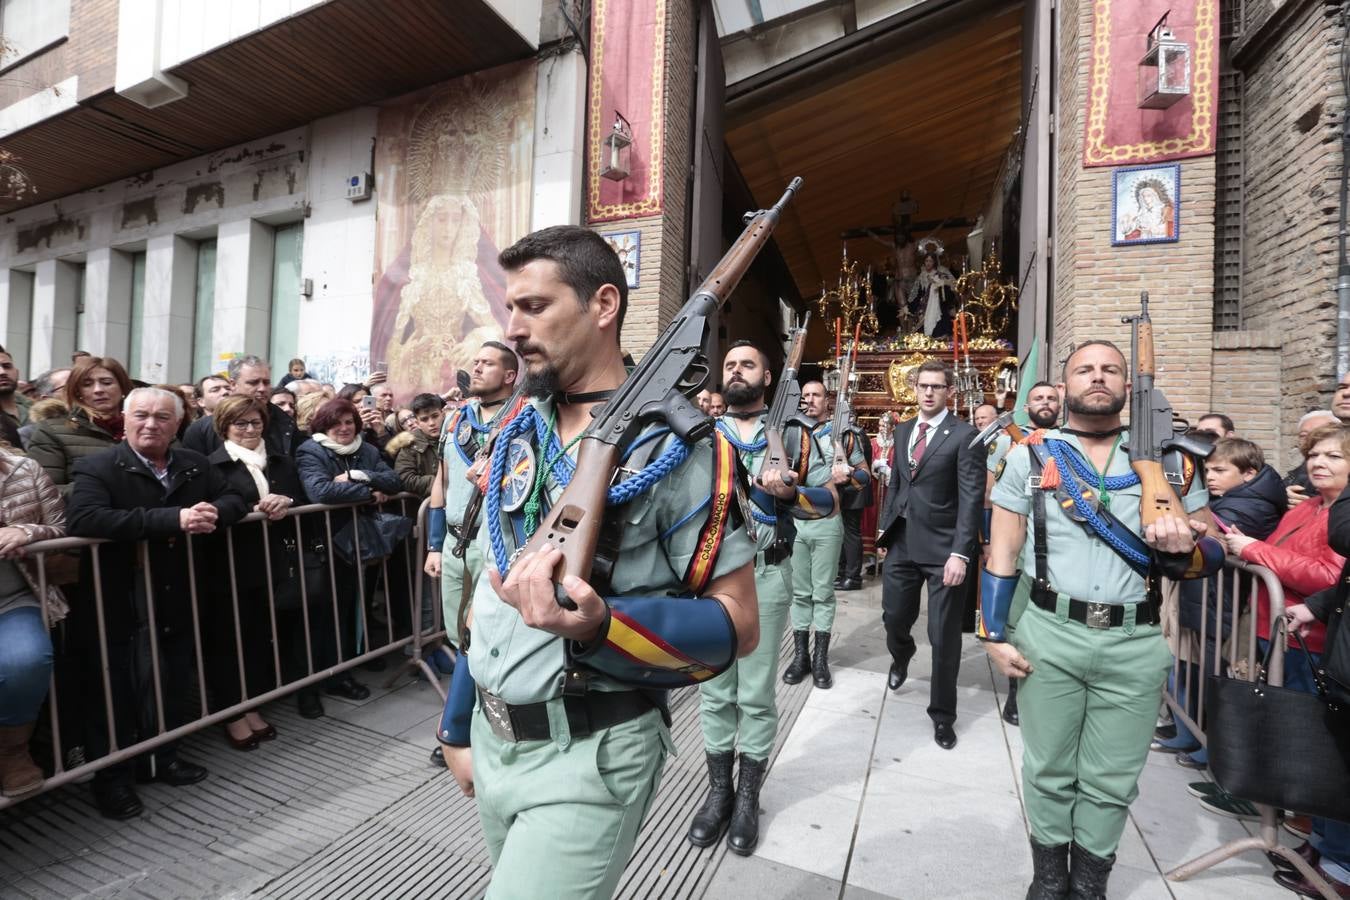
(1100, 615)
(777, 553)
(586, 714)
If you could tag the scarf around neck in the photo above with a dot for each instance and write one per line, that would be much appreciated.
(328, 443)
(255, 461)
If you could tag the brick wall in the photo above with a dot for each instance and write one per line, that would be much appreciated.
(89, 52)
(1247, 388)
(1095, 283)
(1293, 105)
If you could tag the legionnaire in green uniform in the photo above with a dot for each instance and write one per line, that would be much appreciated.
(738, 708)
(815, 552)
(1088, 644)
(491, 382)
(1042, 409)
(566, 754)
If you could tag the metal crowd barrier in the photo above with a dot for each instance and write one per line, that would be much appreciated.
(421, 591)
(1204, 653)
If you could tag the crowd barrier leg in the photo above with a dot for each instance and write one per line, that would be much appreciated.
(417, 664)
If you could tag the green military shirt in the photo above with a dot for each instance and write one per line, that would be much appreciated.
(998, 451)
(662, 527)
(817, 468)
(458, 458)
(824, 444)
(1082, 566)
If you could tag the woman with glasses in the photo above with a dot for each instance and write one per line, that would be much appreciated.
(270, 485)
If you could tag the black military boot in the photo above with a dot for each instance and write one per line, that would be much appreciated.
(1010, 705)
(801, 658)
(713, 815)
(820, 662)
(1088, 874)
(743, 835)
(1050, 871)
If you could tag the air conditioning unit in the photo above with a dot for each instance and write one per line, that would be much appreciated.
(358, 187)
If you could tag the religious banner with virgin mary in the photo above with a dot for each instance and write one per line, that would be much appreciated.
(453, 168)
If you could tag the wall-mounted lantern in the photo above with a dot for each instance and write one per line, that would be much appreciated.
(1165, 70)
(616, 161)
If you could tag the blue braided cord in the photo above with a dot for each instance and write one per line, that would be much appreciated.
(756, 511)
(1089, 514)
(680, 524)
(1086, 472)
(623, 492)
(496, 470)
(730, 434)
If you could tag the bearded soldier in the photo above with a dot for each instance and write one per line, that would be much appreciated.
(1088, 646)
(738, 708)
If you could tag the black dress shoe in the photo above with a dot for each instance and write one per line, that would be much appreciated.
(345, 685)
(851, 584)
(178, 773)
(944, 734)
(438, 758)
(839, 583)
(309, 704)
(895, 678)
(116, 800)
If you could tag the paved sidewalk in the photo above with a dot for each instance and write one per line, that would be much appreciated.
(862, 804)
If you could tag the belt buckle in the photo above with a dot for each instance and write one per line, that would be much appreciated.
(498, 714)
(1098, 615)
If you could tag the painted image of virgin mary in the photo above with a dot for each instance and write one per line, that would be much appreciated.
(1153, 215)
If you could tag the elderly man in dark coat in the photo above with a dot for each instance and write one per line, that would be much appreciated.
(148, 499)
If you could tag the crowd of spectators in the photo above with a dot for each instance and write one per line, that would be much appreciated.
(166, 473)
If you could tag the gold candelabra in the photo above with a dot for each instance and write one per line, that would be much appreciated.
(990, 302)
(849, 303)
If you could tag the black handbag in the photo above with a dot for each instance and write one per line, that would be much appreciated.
(290, 570)
(380, 532)
(1281, 747)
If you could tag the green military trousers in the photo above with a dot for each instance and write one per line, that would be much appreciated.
(452, 586)
(815, 562)
(1088, 711)
(740, 702)
(560, 817)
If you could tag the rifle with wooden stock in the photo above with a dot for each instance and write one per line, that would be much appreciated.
(659, 389)
(786, 402)
(1151, 430)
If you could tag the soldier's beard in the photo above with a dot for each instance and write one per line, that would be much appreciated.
(544, 382)
(1096, 404)
(741, 394)
(1044, 418)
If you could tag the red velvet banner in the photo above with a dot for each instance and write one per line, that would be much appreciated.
(628, 45)
(1118, 132)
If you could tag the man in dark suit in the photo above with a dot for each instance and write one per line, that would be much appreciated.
(929, 527)
(142, 491)
(250, 376)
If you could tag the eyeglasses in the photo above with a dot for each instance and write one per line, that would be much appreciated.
(407, 420)
(251, 425)
(925, 388)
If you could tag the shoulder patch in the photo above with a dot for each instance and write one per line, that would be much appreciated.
(998, 470)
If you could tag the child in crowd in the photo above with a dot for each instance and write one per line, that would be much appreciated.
(1244, 493)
